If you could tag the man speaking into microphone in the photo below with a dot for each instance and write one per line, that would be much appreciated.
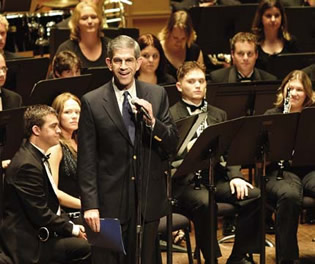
(106, 153)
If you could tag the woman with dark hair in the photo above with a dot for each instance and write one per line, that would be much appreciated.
(270, 26)
(153, 64)
(178, 42)
(87, 40)
(286, 184)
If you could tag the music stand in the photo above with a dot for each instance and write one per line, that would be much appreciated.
(173, 94)
(15, 5)
(24, 73)
(304, 145)
(242, 99)
(261, 139)
(282, 64)
(100, 76)
(11, 134)
(44, 92)
(205, 153)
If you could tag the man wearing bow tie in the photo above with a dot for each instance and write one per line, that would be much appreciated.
(230, 185)
(8, 99)
(244, 55)
(34, 230)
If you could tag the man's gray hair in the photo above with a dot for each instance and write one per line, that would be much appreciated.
(123, 42)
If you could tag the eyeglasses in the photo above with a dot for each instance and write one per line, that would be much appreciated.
(3, 69)
(129, 61)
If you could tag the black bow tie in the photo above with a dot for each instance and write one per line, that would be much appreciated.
(241, 78)
(46, 157)
(193, 108)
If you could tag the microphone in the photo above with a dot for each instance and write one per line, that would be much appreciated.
(141, 108)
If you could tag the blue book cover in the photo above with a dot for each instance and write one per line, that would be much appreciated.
(109, 237)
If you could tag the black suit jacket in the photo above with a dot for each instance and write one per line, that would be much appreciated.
(10, 99)
(229, 75)
(106, 155)
(30, 203)
(215, 116)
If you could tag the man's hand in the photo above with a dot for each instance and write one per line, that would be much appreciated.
(240, 186)
(82, 233)
(92, 218)
(145, 104)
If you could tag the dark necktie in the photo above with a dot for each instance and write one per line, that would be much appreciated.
(241, 78)
(192, 107)
(128, 117)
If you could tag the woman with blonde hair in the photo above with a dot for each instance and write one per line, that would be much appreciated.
(178, 41)
(87, 40)
(63, 158)
(270, 26)
(286, 184)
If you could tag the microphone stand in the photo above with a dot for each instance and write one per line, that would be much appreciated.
(139, 181)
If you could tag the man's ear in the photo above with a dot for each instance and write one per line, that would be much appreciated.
(109, 63)
(139, 62)
(36, 130)
(179, 87)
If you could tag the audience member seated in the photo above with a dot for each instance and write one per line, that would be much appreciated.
(244, 55)
(177, 39)
(230, 185)
(310, 71)
(152, 69)
(4, 26)
(86, 36)
(34, 229)
(270, 26)
(65, 64)
(63, 158)
(285, 184)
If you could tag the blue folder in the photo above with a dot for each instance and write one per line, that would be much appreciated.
(109, 237)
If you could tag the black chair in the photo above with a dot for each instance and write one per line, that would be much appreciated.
(179, 222)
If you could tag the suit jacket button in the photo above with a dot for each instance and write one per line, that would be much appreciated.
(134, 157)
(133, 178)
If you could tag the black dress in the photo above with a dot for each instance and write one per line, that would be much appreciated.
(192, 54)
(290, 46)
(73, 45)
(68, 181)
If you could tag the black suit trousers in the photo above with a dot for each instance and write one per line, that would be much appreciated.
(195, 204)
(287, 194)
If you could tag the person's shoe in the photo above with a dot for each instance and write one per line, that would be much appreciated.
(208, 261)
(242, 261)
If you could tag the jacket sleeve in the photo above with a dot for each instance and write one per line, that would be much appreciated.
(87, 158)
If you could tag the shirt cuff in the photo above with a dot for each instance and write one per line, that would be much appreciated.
(75, 230)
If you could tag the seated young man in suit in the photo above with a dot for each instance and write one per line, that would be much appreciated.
(230, 185)
(244, 55)
(34, 230)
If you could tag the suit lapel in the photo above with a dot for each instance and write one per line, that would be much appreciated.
(38, 156)
(112, 109)
(232, 75)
